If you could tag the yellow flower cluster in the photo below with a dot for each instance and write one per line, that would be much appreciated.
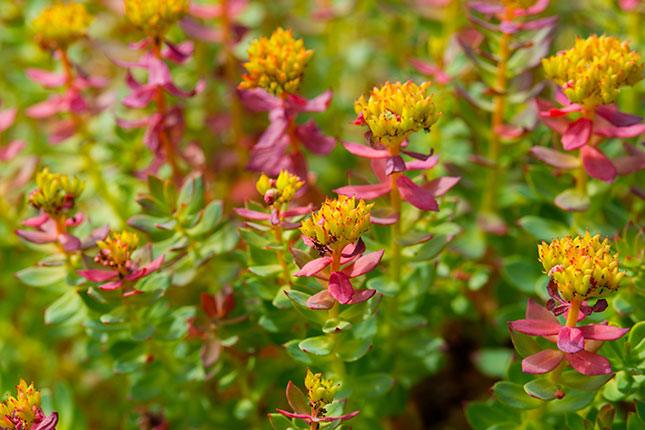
(116, 251)
(279, 191)
(276, 63)
(21, 408)
(55, 193)
(320, 391)
(518, 4)
(582, 267)
(155, 16)
(61, 24)
(594, 70)
(338, 223)
(394, 111)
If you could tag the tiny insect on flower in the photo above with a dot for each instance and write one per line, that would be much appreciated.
(155, 17)
(276, 63)
(56, 193)
(594, 70)
(23, 412)
(61, 24)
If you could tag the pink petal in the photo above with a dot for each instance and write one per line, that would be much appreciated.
(361, 296)
(555, 158)
(311, 136)
(364, 264)
(97, 275)
(321, 301)
(365, 151)
(416, 195)
(440, 186)
(111, 285)
(258, 100)
(314, 266)
(536, 312)
(45, 78)
(542, 362)
(340, 287)
(7, 118)
(589, 363)
(367, 192)
(602, 332)
(429, 163)
(597, 164)
(577, 134)
(536, 327)
(570, 339)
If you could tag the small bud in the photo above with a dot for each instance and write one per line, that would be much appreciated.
(278, 191)
(55, 194)
(320, 391)
(61, 24)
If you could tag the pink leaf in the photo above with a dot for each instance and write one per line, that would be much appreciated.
(365, 151)
(620, 132)
(109, 286)
(49, 107)
(536, 312)
(536, 327)
(45, 78)
(367, 192)
(542, 362)
(297, 399)
(288, 414)
(36, 221)
(10, 151)
(570, 339)
(577, 134)
(440, 186)
(364, 264)
(147, 269)
(589, 363)
(361, 296)
(430, 70)
(39, 237)
(416, 195)
(340, 287)
(429, 163)
(97, 275)
(602, 332)
(321, 301)
(555, 158)
(616, 117)
(7, 117)
(258, 100)
(296, 103)
(597, 164)
(314, 266)
(311, 136)
(253, 215)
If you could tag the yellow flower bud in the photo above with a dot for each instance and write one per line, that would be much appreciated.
(278, 191)
(394, 111)
(320, 391)
(582, 267)
(594, 70)
(55, 194)
(155, 17)
(276, 64)
(23, 407)
(61, 24)
(116, 251)
(337, 223)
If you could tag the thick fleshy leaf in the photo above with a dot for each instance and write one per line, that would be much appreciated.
(431, 70)
(577, 134)
(542, 362)
(110, 286)
(570, 339)
(49, 107)
(361, 296)
(314, 139)
(394, 164)
(200, 32)
(12, 149)
(296, 103)
(589, 363)
(7, 118)
(536, 327)
(340, 287)
(536, 312)
(178, 53)
(602, 332)
(555, 158)
(298, 211)
(36, 221)
(297, 399)
(416, 195)
(365, 151)
(367, 192)
(251, 214)
(572, 200)
(146, 269)
(620, 132)
(97, 275)
(597, 164)
(46, 78)
(70, 242)
(486, 7)
(259, 100)
(616, 117)
(364, 264)
(440, 186)
(321, 301)
(39, 237)
(298, 416)
(314, 266)
(353, 249)
(277, 129)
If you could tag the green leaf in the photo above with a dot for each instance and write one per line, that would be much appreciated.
(267, 270)
(541, 388)
(335, 326)
(373, 385)
(572, 201)
(524, 345)
(520, 273)
(354, 349)
(482, 416)
(543, 229)
(573, 400)
(573, 379)
(191, 197)
(513, 395)
(281, 300)
(211, 218)
(223, 240)
(68, 308)
(634, 422)
(383, 285)
(280, 422)
(147, 223)
(42, 276)
(493, 362)
(574, 421)
(319, 345)
(431, 248)
(293, 349)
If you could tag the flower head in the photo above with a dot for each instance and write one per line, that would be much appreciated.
(593, 71)
(23, 411)
(518, 4)
(155, 16)
(581, 267)
(116, 251)
(280, 190)
(55, 194)
(337, 223)
(61, 24)
(277, 63)
(320, 391)
(394, 111)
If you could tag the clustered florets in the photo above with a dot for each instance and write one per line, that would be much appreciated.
(116, 251)
(395, 110)
(276, 64)
(61, 24)
(594, 70)
(55, 194)
(278, 191)
(320, 391)
(155, 16)
(582, 267)
(518, 4)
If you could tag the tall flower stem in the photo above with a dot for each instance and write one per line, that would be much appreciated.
(160, 100)
(395, 245)
(286, 273)
(86, 147)
(497, 120)
(574, 310)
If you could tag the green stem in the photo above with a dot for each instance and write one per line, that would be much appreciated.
(280, 255)
(395, 244)
(338, 365)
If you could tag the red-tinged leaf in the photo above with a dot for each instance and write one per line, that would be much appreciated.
(96, 275)
(7, 117)
(353, 249)
(555, 158)
(319, 103)
(338, 418)
(314, 266)
(440, 186)
(39, 237)
(570, 339)
(577, 134)
(426, 164)
(209, 305)
(416, 195)
(367, 192)
(542, 362)
(200, 32)
(259, 100)
(304, 416)
(314, 139)
(431, 70)
(597, 164)
(46, 78)
(251, 214)
(365, 151)
(387, 219)
(616, 117)
(589, 363)
(620, 132)
(602, 332)
(536, 312)
(340, 287)
(109, 286)
(297, 399)
(364, 264)
(36, 221)
(361, 296)
(536, 327)
(321, 301)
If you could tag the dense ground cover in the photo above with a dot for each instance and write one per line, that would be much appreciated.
(407, 214)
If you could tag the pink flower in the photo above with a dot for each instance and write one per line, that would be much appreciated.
(574, 343)
(584, 133)
(273, 152)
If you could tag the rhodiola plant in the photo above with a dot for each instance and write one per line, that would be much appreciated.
(24, 412)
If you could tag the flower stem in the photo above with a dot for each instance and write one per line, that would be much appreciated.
(574, 310)
(395, 202)
(286, 273)
(338, 365)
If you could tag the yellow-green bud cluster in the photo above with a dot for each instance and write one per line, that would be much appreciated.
(22, 408)
(276, 64)
(394, 111)
(320, 391)
(338, 223)
(55, 194)
(518, 4)
(594, 70)
(278, 191)
(116, 251)
(61, 24)
(582, 267)
(155, 17)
